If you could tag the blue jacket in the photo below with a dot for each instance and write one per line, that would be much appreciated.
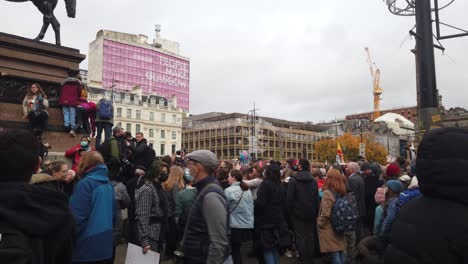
(93, 207)
(242, 216)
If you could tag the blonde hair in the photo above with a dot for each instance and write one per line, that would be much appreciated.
(88, 160)
(176, 176)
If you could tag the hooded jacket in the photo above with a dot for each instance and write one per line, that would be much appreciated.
(93, 206)
(40, 213)
(303, 198)
(70, 92)
(43, 179)
(433, 228)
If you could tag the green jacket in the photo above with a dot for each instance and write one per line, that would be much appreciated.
(114, 148)
(183, 203)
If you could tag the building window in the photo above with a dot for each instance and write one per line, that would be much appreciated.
(119, 112)
(151, 145)
(151, 133)
(138, 114)
(173, 148)
(163, 133)
(174, 118)
(138, 128)
(163, 118)
(174, 134)
(129, 113)
(129, 128)
(151, 116)
(119, 124)
(162, 149)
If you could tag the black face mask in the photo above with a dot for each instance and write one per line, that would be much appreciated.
(163, 177)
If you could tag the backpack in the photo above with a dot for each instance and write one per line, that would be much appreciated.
(344, 214)
(105, 109)
(16, 247)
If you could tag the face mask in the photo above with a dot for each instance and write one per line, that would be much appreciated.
(163, 177)
(84, 144)
(188, 177)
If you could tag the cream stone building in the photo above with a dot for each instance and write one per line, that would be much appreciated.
(159, 118)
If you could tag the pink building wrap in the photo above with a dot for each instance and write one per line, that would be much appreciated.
(155, 72)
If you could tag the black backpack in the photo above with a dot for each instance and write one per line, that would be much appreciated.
(17, 248)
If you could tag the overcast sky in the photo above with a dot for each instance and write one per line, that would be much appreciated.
(298, 60)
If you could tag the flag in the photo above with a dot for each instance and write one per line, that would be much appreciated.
(339, 154)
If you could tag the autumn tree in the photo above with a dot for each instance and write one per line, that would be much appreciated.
(326, 148)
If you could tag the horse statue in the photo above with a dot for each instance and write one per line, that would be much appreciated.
(47, 9)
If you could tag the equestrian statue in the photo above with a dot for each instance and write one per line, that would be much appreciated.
(47, 9)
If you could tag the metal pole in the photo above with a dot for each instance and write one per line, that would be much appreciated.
(428, 111)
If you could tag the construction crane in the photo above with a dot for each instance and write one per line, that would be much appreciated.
(377, 90)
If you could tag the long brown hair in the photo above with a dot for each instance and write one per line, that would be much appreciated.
(335, 182)
(176, 176)
(39, 91)
(88, 160)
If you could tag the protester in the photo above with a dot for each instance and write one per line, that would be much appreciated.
(409, 194)
(133, 185)
(184, 201)
(75, 153)
(256, 179)
(172, 186)
(330, 241)
(151, 210)
(35, 222)
(356, 186)
(69, 98)
(222, 173)
(104, 120)
(270, 224)
(122, 199)
(35, 106)
(405, 180)
(53, 177)
(371, 183)
(303, 205)
(143, 155)
(241, 209)
(93, 206)
(206, 234)
(433, 228)
(394, 188)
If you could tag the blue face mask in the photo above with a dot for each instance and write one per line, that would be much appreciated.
(84, 144)
(188, 177)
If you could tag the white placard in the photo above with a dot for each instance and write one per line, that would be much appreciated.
(135, 255)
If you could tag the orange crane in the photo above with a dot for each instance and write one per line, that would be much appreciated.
(377, 90)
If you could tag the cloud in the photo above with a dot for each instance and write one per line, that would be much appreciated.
(303, 61)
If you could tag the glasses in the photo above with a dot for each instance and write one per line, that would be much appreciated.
(222, 167)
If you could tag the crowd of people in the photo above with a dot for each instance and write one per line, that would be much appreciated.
(194, 208)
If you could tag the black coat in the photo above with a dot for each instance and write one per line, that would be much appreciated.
(40, 213)
(434, 227)
(357, 187)
(143, 155)
(303, 197)
(268, 207)
(371, 183)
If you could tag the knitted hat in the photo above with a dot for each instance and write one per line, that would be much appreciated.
(392, 171)
(395, 186)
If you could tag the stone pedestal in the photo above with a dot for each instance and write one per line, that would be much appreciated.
(24, 62)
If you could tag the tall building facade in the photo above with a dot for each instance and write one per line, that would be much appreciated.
(127, 61)
(159, 119)
(227, 135)
(409, 113)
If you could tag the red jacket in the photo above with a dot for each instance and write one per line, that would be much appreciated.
(70, 92)
(75, 155)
